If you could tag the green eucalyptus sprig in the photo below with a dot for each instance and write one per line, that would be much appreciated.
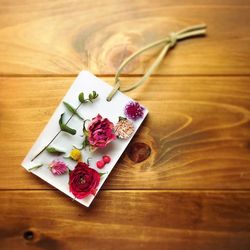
(74, 111)
(92, 96)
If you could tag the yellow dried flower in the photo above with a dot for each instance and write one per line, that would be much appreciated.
(75, 154)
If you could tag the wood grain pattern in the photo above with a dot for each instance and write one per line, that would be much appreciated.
(197, 130)
(63, 37)
(126, 220)
(184, 181)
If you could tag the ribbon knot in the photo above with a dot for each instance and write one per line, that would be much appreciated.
(169, 42)
(172, 39)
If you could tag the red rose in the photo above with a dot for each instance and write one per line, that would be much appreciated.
(83, 180)
(100, 132)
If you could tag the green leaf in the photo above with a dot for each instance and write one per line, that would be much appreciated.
(66, 128)
(101, 174)
(35, 167)
(93, 96)
(90, 97)
(53, 150)
(69, 107)
(72, 110)
(85, 143)
(81, 98)
(122, 118)
(85, 131)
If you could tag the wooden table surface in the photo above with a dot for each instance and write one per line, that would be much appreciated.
(193, 189)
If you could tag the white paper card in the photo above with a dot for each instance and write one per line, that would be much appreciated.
(86, 83)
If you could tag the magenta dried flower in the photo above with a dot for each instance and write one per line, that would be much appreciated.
(58, 167)
(133, 110)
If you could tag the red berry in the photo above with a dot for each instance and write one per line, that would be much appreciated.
(106, 159)
(100, 164)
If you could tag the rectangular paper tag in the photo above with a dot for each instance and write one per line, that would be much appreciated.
(86, 83)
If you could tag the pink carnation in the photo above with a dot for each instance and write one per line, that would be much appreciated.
(100, 132)
(58, 167)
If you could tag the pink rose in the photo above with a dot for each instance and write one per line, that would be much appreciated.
(100, 132)
(83, 180)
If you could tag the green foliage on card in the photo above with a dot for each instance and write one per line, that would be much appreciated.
(35, 167)
(101, 174)
(93, 96)
(81, 98)
(72, 110)
(53, 150)
(85, 143)
(66, 128)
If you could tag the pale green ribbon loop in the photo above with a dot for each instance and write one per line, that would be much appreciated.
(169, 41)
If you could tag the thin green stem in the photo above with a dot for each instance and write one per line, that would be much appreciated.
(54, 136)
